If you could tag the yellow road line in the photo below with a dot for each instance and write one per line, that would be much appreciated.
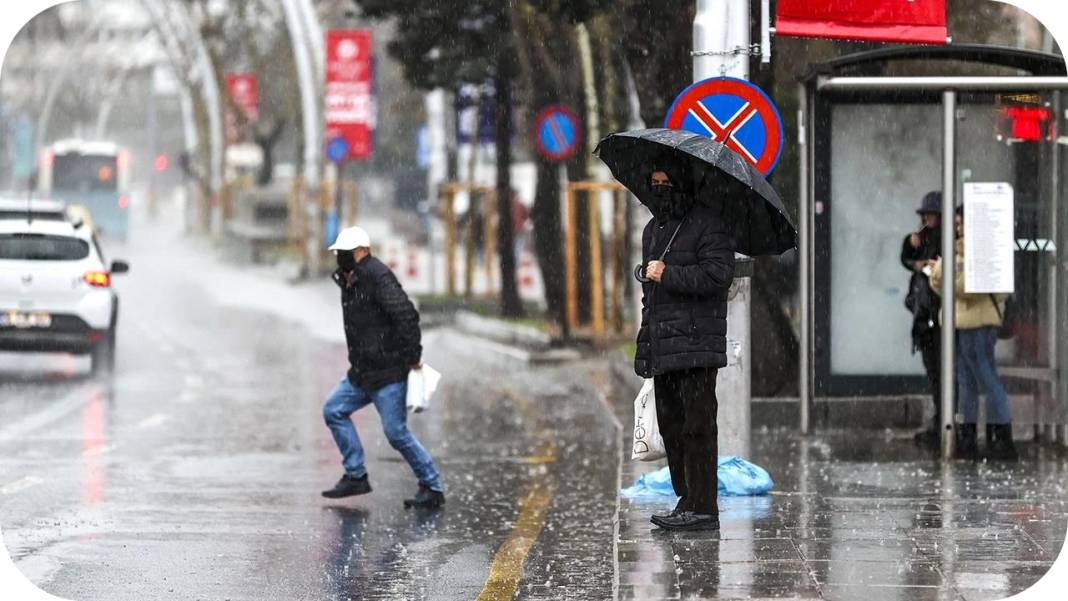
(507, 566)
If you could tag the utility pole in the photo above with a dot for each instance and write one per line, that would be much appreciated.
(721, 45)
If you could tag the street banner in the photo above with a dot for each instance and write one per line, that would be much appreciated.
(989, 238)
(349, 94)
(244, 89)
(912, 21)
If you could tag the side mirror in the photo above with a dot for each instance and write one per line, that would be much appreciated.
(119, 267)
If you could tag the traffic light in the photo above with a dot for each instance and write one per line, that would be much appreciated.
(161, 163)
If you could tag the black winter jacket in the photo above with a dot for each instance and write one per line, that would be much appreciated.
(381, 326)
(684, 317)
(920, 300)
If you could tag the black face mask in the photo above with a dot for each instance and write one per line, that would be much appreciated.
(345, 260)
(662, 190)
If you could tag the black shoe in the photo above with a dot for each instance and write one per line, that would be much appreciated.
(671, 514)
(348, 486)
(426, 498)
(688, 520)
(999, 444)
(967, 447)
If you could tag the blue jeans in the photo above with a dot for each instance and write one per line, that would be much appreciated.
(390, 401)
(976, 370)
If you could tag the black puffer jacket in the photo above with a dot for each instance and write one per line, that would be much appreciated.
(381, 326)
(684, 317)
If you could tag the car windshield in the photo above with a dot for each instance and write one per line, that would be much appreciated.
(40, 247)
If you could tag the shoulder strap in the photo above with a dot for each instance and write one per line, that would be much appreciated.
(997, 307)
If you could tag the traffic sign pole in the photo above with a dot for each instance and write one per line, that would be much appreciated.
(721, 49)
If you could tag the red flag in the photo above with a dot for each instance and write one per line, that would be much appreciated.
(912, 21)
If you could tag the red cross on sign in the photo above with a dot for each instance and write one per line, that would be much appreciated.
(734, 113)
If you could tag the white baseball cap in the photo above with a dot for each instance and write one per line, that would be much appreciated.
(350, 238)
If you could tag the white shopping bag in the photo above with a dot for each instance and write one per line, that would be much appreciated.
(648, 445)
(422, 383)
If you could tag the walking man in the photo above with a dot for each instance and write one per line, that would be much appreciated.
(689, 265)
(919, 247)
(382, 331)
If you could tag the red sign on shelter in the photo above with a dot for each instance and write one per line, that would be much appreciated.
(349, 99)
(912, 21)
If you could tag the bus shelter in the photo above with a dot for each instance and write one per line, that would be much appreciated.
(877, 131)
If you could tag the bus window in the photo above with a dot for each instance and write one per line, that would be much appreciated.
(84, 173)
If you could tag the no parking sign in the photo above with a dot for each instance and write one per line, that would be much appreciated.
(734, 113)
(557, 133)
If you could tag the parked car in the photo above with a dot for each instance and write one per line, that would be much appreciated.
(55, 291)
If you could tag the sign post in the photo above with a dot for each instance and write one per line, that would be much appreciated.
(721, 43)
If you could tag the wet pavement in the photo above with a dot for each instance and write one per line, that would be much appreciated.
(194, 473)
(858, 515)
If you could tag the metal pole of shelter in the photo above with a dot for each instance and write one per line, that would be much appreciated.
(804, 250)
(1060, 278)
(949, 186)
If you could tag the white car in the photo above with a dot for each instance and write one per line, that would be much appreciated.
(55, 291)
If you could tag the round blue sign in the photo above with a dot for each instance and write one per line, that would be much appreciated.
(557, 133)
(734, 113)
(337, 149)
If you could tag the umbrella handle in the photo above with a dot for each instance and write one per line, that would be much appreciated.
(639, 274)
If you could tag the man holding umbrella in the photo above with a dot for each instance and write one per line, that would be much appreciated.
(707, 203)
(689, 265)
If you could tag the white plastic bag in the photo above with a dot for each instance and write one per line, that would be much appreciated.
(648, 445)
(422, 383)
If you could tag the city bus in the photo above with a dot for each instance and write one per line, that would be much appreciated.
(91, 175)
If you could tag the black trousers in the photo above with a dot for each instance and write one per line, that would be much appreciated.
(686, 408)
(931, 348)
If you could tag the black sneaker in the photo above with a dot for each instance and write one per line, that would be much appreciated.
(348, 486)
(426, 498)
(688, 520)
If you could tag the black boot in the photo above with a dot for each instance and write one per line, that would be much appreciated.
(967, 446)
(999, 444)
(349, 486)
(426, 498)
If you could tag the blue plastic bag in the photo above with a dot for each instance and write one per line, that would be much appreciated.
(736, 476)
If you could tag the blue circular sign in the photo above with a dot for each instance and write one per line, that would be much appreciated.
(557, 133)
(337, 149)
(734, 113)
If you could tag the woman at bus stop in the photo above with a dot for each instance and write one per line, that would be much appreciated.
(978, 317)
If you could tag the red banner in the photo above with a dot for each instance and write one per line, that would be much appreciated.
(349, 98)
(911, 21)
(244, 89)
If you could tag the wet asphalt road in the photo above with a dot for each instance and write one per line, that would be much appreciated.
(194, 473)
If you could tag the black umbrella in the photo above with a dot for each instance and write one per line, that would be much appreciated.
(716, 175)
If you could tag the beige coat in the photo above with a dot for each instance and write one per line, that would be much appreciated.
(972, 310)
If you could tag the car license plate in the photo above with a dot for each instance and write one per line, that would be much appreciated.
(23, 321)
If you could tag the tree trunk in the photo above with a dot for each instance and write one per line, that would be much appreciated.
(548, 237)
(511, 305)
